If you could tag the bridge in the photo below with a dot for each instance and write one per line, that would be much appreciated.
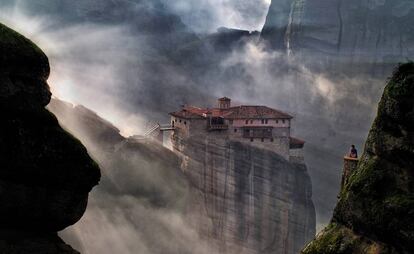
(157, 131)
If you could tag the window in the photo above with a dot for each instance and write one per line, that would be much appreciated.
(262, 139)
(180, 120)
(251, 121)
(263, 121)
(247, 121)
(235, 130)
(251, 140)
(271, 140)
(266, 121)
(185, 122)
(283, 121)
(277, 121)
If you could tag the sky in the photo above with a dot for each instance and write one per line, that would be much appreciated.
(88, 57)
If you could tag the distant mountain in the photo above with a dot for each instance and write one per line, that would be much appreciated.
(356, 31)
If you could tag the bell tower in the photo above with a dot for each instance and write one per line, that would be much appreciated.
(224, 103)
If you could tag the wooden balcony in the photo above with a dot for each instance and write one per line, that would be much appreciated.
(214, 127)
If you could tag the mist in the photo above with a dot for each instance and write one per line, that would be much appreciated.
(140, 205)
(206, 16)
(133, 70)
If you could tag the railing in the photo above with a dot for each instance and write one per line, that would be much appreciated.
(166, 127)
(151, 130)
(218, 127)
(350, 158)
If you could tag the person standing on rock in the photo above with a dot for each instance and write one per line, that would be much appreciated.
(353, 153)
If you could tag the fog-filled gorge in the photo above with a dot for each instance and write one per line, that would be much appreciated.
(133, 62)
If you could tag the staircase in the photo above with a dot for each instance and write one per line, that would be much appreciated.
(153, 131)
(157, 131)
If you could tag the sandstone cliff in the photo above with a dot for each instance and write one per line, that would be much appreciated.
(46, 173)
(375, 212)
(246, 200)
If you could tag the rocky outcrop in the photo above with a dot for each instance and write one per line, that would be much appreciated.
(375, 212)
(277, 23)
(360, 30)
(46, 173)
(246, 200)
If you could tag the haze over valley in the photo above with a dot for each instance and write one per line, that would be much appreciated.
(120, 66)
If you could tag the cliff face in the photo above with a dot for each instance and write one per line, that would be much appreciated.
(246, 200)
(46, 173)
(363, 30)
(141, 199)
(375, 212)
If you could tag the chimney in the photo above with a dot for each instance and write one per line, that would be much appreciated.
(224, 103)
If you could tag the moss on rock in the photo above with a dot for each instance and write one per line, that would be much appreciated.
(338, 239)
(378, 200)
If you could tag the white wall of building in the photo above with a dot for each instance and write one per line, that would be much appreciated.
(280, 123)
(279, 143)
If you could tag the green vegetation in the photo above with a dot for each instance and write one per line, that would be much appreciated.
(378, 200)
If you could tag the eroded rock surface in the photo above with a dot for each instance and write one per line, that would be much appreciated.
(245, 199)
(360, 31)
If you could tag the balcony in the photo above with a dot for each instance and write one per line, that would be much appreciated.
(214, 127)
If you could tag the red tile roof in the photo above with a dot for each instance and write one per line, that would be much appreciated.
(296, 143)
(189, 112)
(249, 112)
(239, 112)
